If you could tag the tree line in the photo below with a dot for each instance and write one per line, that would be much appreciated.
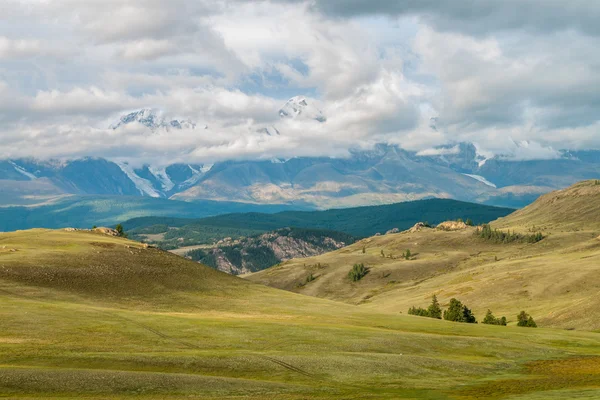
(495, 235)
(458, 312)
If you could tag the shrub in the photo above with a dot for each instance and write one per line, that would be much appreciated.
(469, 222)
(407, 255)
(358, 272)
(310, 278)
(458, 312)
(525, 320)
(364, 250)
(491, 320)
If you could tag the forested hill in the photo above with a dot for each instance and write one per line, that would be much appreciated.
(364, 221)
(172, 233)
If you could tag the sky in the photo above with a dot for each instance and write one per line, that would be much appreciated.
(519, 78)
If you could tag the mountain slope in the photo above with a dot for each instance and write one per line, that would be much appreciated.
(556, 279)
(91, 316)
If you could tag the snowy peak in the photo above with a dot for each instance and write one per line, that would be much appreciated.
(152, 120)
(299, 107)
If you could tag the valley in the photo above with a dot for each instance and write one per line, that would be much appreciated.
(89, 315)
(555, 279)
(241, 243)
(299, 200)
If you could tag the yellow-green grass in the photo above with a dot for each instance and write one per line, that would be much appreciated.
(556, 280)
(576, 208)
(84, 315)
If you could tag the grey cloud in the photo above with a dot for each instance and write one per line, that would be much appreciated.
(478, 16)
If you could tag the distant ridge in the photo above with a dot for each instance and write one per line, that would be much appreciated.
(358, 221)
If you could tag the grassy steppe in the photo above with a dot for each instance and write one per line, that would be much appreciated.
(556, 280)
(84, 315)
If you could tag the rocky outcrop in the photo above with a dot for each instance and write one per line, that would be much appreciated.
(418, 227)
(263, 251)
(452, 226)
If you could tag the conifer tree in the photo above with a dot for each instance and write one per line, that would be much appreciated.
(434, 309)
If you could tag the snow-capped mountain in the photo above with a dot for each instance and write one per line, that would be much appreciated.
(103, 177)
(384, 174)
(153, 120)
(299, 107)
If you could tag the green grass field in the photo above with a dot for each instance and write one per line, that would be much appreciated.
(84, 315)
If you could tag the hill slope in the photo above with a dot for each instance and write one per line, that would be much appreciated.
(570, 209)
(556, 279)
(86, 315)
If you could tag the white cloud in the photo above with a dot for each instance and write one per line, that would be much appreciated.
(441, 151)
(71, 67)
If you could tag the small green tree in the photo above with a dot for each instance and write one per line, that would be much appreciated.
(489, 318)
(408, 254)
(525, 320)
(469, 222)
(522, 318)
(310, 278)
(434, 310)
(358, 272)
(364, 250)
(120, 231)
(94, 227)
(382, 253)
(468, 316)
(458, 312)
(421, 312)
(454, 311)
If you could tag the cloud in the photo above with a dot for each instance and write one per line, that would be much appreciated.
(528, 150)
(478, 16)
(487, 70)
(441, 151)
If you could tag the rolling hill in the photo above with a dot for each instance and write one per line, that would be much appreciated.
(555, 279)
(575, 208)
(87, 315)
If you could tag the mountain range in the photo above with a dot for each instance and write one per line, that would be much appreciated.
(381, 175)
